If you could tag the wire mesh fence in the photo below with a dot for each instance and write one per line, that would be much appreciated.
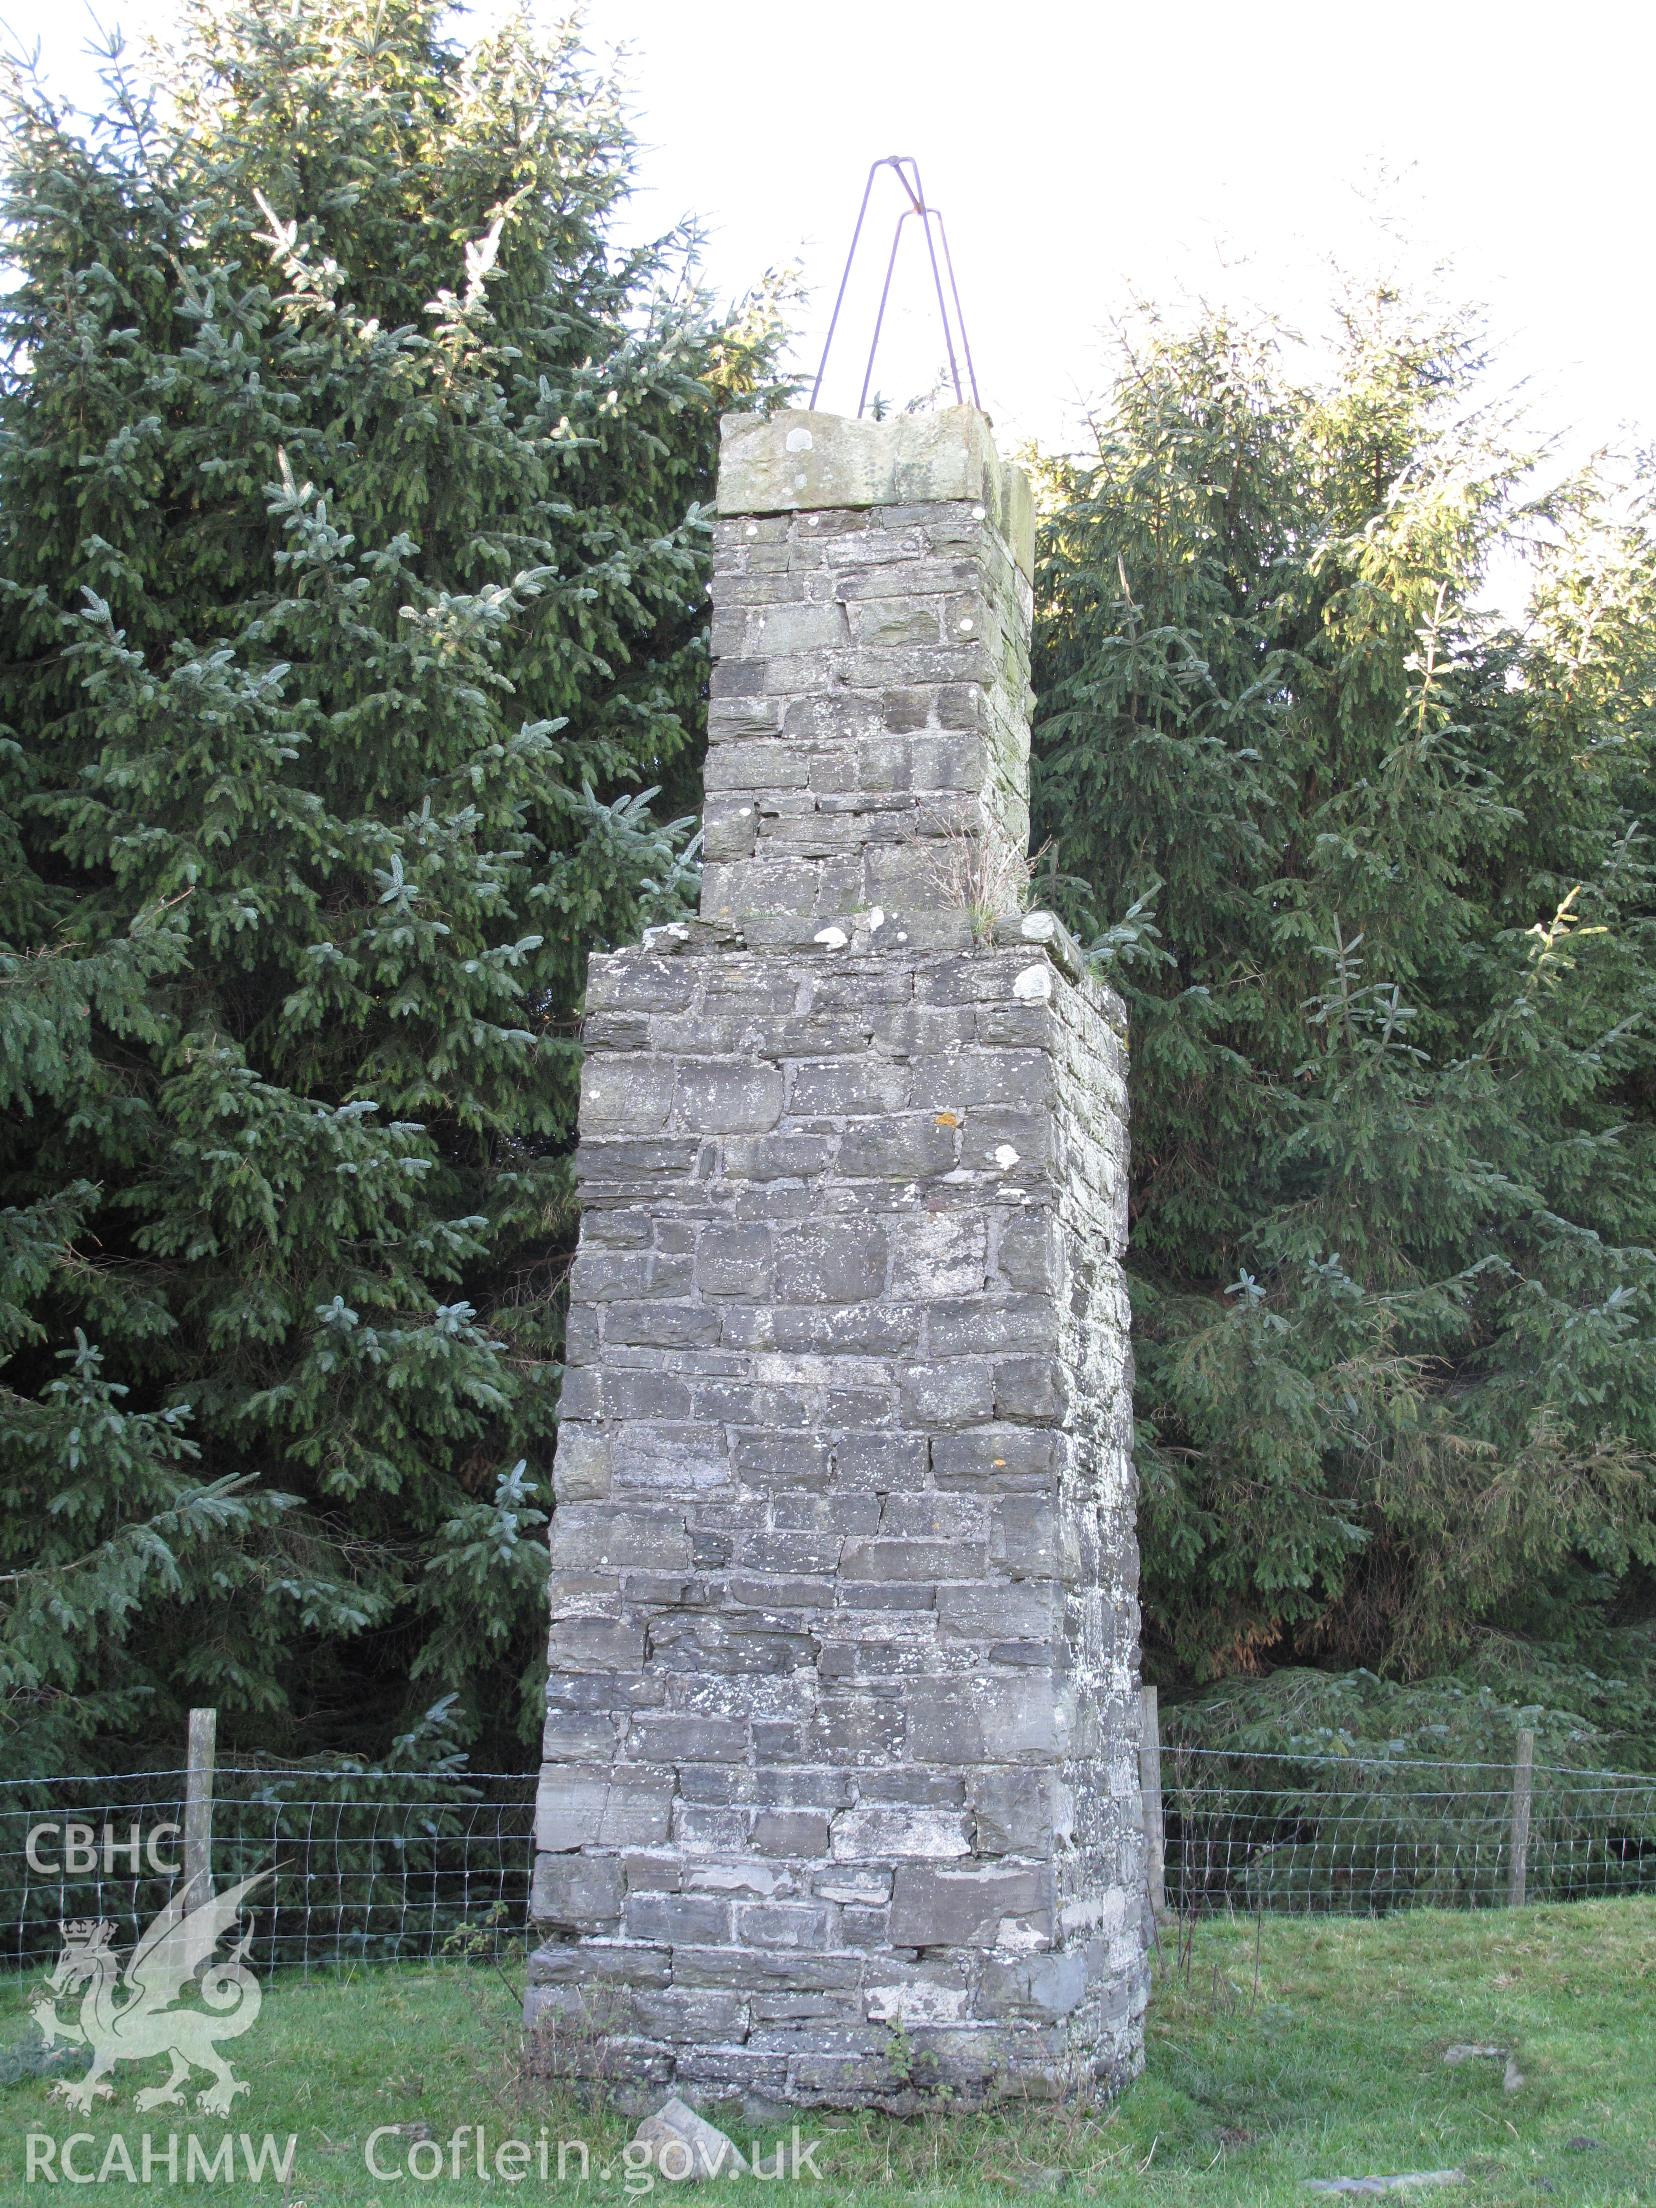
(377, 1866)
(1364, 1835)
(361, 1866)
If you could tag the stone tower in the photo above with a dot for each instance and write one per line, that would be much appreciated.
(840, 1800)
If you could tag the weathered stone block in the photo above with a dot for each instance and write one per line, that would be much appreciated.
(716, 1099)
(584, 1535)
(1045, 1987)
(991, 1716)
(784, 629)
(575, 1893)
(588, 1808)
(597, 1644)
(1025, 1542)
(913, 1560)
(991, 1610)
(938, 1396)
(1031, 1388)
(975, 1907)
(1016, 1811)
(790, 1832)
(599, 1962)
(900, 1149)
(884, 1830)
(845, 1262)
(679, 1919)
(997, 1457)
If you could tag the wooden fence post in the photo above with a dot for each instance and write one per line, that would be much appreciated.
(1150, 1793)
(1523, 1781)
(198, 1807)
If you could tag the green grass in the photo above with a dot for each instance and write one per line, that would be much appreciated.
(1326, 2061)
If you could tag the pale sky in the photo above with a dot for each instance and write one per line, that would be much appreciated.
(1084, 155)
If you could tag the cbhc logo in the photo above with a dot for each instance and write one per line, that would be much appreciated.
(86, 1848)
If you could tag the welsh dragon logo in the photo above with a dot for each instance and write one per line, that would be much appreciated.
(131, 2014)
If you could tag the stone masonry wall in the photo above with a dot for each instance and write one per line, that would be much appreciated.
(869, 729)
(839, 1800)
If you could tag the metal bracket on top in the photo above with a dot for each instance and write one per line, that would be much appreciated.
(907, 172)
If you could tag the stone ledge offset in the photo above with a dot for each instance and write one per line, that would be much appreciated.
(1038, 932)
(799, 462)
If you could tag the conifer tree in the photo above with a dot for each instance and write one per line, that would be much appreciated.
(352, 608)
(1373, 872)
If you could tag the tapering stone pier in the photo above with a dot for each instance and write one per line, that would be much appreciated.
(840, 1792)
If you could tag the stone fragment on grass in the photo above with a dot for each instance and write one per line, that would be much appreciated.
(1512, 2078)
(685, 2148)
(1405, 2183)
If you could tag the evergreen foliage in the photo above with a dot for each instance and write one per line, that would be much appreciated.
(352, 644)
(1373, 871)
(352, 616)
